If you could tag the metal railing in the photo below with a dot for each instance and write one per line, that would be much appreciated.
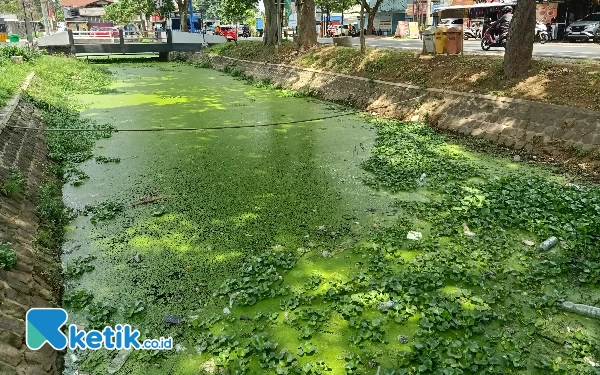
(119, 36)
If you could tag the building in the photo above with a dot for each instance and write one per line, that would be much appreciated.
(82, 15)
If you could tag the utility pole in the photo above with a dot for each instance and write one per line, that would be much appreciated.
(47, 25)
(27, 24)
(429, 18)
(279, 15)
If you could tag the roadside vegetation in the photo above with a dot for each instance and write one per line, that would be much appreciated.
(53, 90)
(574, 84)
(13, 75)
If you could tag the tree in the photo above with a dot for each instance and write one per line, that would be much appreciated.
(519, 48)
(372, 11)
(211, 9)
(307, 32)
(125, 11)
(182, 8)
(236, 11)
(363, 44)
(9, 7)
(272, 34)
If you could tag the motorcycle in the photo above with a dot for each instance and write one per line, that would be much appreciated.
(541, 33)
(489, 41)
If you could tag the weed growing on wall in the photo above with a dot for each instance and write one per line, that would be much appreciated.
(14, 185)
(8, 256)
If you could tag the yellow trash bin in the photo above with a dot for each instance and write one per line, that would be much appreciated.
(440, 39)
(454, 40)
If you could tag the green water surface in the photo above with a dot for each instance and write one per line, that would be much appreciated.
(227, 193)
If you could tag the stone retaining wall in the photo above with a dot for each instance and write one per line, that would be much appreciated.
(521, 124)
(28, 284)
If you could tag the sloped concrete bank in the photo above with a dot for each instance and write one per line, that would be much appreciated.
(517, 123)
(32, 282)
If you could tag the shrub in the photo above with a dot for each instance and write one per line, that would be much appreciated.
(28, 55)
(14, 185)
(8, 256)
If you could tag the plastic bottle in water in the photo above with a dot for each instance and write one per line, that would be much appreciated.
(591, 311)
(385, 306)
(549, 243)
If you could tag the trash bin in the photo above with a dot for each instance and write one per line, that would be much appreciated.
(13, 38)
(454, 40)
(428, 40)
(440, 39)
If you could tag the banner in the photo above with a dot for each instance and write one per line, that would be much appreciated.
(462, 2)
(413, 28)
(546, 12)
(402, 30)
(290, 13)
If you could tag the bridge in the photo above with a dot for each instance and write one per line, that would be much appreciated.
(124, 42)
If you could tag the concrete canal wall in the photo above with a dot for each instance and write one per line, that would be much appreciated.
(29, 284)
(517, 123)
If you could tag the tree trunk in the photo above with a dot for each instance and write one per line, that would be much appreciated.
(182, 6)
(271, 36)
(371, 22)
(363, 44)
(519, 48)
(307, 32)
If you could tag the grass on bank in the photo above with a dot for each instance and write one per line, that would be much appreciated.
(576, 85)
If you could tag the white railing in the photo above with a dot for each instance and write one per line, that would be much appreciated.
(112, 36)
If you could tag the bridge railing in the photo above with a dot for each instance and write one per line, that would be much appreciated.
(119, 36)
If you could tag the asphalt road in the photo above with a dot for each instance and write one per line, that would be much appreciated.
(589, 51)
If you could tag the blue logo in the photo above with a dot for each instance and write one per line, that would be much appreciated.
(44, 325)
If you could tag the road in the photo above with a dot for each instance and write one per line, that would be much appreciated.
(589, 51)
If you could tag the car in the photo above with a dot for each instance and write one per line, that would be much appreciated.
(345, 30)
(228, 32)
(587, 28)
(104, 32)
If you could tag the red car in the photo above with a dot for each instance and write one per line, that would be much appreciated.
(105, 32)
(228, 32)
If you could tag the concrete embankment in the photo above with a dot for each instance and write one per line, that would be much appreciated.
(33, 282)
(521, 124)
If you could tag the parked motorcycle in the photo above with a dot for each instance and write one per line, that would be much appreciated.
(489, 41)
(541, 33)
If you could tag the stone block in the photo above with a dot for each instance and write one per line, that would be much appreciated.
(13, 309)
(11, 338)
(43, 359)
(10, 355)
(596, 141)
(519, 145)
(568, 134)
(588, 139)
(16, 59)
(6, 369)
(11, 324)
(528, 147)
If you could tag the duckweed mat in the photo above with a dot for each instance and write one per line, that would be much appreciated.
(284, 250)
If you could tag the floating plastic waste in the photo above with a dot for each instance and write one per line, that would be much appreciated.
(415, 236)
(549, 243)
(591, 311)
